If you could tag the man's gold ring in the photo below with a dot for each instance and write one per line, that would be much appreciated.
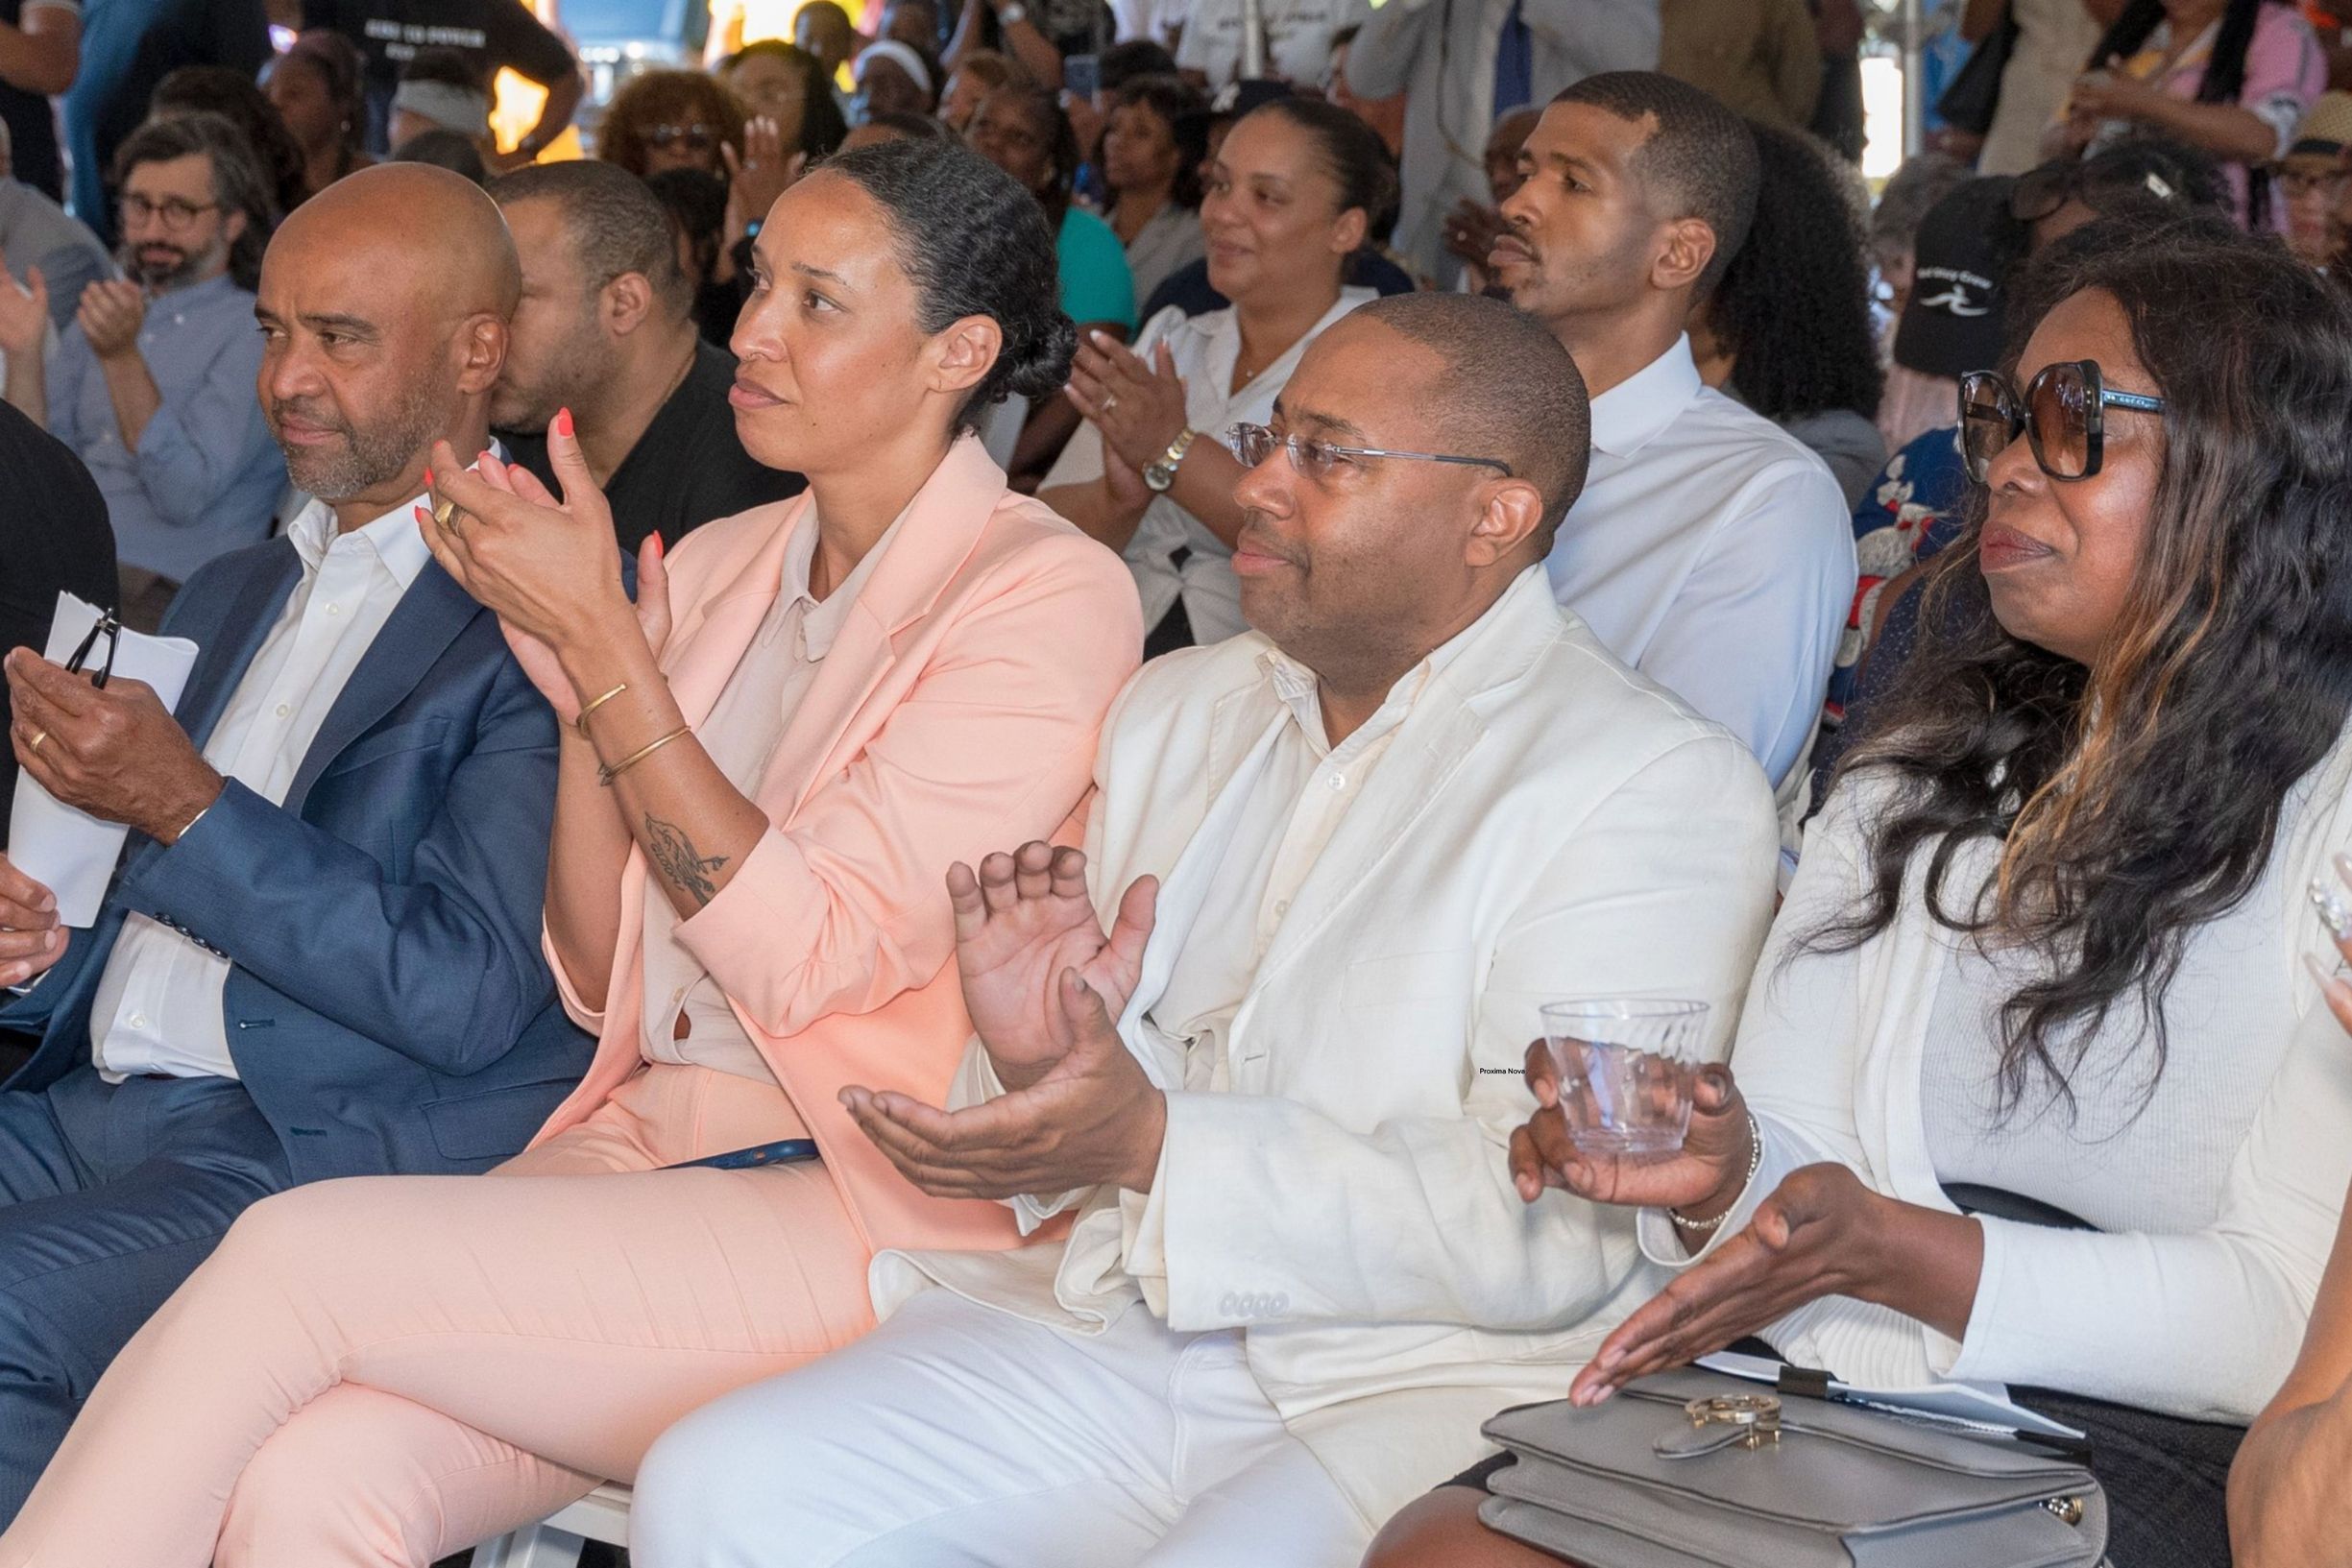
(35, 745)
(446, 514)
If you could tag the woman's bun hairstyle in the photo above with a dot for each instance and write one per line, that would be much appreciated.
(974, 244)
(1352, 153)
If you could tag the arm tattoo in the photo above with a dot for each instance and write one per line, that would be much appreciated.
(689, 871)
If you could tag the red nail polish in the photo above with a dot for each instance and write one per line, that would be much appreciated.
(428, 478)
(563, 423)
(656, 542)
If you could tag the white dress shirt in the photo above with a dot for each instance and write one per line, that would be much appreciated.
(158, 1003)
(1203, 348)
(1296, 804)
(741, 734)
(1713, 552)
(1301, 792)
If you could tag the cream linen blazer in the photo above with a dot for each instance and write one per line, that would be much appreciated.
(1545, 824)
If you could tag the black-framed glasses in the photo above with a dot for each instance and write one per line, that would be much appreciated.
(109, 626)
(1314, 459)
(2062, 412)
(697, 138)
(176, 212)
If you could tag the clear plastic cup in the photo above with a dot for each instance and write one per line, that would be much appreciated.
(1626, 1067)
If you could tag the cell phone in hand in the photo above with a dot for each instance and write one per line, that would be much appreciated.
(1082, 74)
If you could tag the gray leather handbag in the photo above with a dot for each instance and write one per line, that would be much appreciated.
(1695, 1469)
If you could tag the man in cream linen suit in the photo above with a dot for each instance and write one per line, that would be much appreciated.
(1343, 857)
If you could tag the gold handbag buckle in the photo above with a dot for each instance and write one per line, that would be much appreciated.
(1758, 1414)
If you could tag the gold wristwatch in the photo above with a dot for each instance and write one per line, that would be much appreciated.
(1160, 475)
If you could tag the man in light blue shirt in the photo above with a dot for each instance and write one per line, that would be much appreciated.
(153, 384)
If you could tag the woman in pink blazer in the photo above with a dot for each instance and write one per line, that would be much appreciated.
(769, 762)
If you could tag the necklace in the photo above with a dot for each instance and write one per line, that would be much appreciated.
(1248, 368)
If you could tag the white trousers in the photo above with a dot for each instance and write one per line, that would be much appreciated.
(957, 1434)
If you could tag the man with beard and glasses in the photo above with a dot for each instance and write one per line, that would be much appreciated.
(1710, 550)
(320, 956)
(152, 385)
(150, 382)
(606, 328)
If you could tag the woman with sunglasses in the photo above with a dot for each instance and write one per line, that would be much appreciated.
(671, 120)
(768, 765)
(1290, 201)
(2031, 1086)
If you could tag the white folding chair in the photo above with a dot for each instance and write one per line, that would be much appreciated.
(555, 1541)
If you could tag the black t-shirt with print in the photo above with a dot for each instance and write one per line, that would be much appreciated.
(488, 32)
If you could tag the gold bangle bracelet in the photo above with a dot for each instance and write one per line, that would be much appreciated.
(608, 772)
(581, 723)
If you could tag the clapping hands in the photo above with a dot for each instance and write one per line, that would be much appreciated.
(1043, 983)
(24, 311)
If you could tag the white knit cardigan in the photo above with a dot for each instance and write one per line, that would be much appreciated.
(2202, 1325)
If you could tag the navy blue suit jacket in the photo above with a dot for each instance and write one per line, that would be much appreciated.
(389, 1008)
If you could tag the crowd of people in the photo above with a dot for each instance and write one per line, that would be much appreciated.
(952, 705)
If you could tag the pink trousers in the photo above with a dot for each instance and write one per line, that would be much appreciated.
(384, 1370)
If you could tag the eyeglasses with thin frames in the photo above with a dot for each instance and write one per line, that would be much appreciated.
(1315, 459)
(176, 212)
(109, 626)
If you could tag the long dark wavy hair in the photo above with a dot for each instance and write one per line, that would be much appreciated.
(2135, 798)
(1793, 307)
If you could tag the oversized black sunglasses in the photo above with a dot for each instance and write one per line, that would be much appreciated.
(2062, 412)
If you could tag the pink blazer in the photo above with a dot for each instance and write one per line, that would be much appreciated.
(955, 715)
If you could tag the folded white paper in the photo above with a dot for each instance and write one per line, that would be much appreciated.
(1975, 1404)
(69, 851)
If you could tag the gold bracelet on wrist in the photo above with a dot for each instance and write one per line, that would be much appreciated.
(607, 772)
(588, 708)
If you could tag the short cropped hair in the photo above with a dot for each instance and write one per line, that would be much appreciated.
(616, 224)
(1700, 160)
(1507, 391)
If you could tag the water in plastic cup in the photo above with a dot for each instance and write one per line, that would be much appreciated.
(1626, 1066)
